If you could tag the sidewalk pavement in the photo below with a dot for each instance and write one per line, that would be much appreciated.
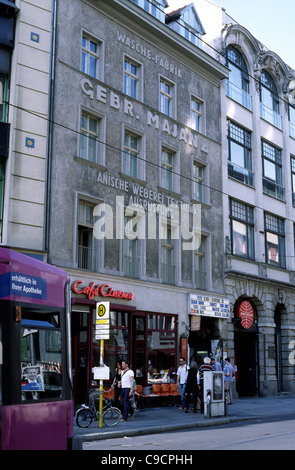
(171, 418)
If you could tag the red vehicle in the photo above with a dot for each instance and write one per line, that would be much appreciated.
(36, 402)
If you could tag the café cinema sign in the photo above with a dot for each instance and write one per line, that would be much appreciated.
(115, 101)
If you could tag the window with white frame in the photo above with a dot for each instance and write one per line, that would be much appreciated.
(90, 55)
(167, 257)
(166, 97)
(198, 182)
(131, 78)
(196, 113)
(90, 136)
(131, 154)
(292, 121)
(167, 167)
(130, 247)
(86, 253)
(199, 263)
(293, 179)
(275, 240)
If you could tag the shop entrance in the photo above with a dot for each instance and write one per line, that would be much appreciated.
(80, 355)
(246, 347)
(246, 362)
(138, 348)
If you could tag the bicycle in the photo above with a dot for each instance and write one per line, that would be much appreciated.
(88, 413)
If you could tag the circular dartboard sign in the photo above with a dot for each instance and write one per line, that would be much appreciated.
(246, 314)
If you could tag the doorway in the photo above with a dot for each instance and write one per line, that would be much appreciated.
(138, 348)
(80, 355)
(246, 355)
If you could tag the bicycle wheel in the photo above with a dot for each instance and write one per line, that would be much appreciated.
(84, 417)
(111, 416)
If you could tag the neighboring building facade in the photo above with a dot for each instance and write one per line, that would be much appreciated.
(25, 57)
(258, 204)
(137, 134)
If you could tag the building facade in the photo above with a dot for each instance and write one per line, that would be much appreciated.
(258, 204)
(136, 151)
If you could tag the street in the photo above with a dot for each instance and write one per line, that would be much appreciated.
(268, 434)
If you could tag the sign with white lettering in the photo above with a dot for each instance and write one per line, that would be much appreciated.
(209, 306)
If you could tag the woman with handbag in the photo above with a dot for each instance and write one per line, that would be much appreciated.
(116, 385)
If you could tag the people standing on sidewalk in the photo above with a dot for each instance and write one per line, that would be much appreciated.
(229, 374)
(127, 389)
(206, 366)
(216, 365)
(192, 386)
(116, 385)
(181, 380)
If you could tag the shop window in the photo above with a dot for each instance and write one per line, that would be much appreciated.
(161, 348)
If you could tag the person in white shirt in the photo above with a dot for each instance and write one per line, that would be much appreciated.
(127, 389)
(181, 380)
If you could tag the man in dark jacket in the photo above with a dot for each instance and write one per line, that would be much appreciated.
(192, 386)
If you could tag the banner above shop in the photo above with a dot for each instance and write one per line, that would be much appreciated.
(208, 306)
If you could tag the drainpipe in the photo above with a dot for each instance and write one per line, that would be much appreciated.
(50, 129)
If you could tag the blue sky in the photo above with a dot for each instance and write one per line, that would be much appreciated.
(272, 22)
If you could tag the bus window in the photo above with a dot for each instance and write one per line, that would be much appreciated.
(41, 355)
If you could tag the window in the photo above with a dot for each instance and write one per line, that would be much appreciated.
(41, 355)
(130, 248)
(131, 153)
(275, 241)
(167, 165)
(293, 179)
(167, 257)
(161, 347)
(239, 154)
(241, 229)
(292, 121)
(89, 138)
(166, 97)
(2, 176)
(86, 254)
(199, 260)
(198, 190)
(153, 7)
(131, 78)
(3, 97)
(238, 81)
(269, 100)
(89, 56)
(272, 171)
(192, 35)
(196, 107)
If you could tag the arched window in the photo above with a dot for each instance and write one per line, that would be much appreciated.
(269, 100)
(238, 81)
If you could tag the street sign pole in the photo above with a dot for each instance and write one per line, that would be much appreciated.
(102, 332)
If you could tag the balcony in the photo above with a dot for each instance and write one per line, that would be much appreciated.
(238, 95)
(241, 174)
(273, 189)
(270, 116)
(4, 139)
(168, 273)
(87, 258)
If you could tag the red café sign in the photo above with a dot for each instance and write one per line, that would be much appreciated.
(103, 290)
